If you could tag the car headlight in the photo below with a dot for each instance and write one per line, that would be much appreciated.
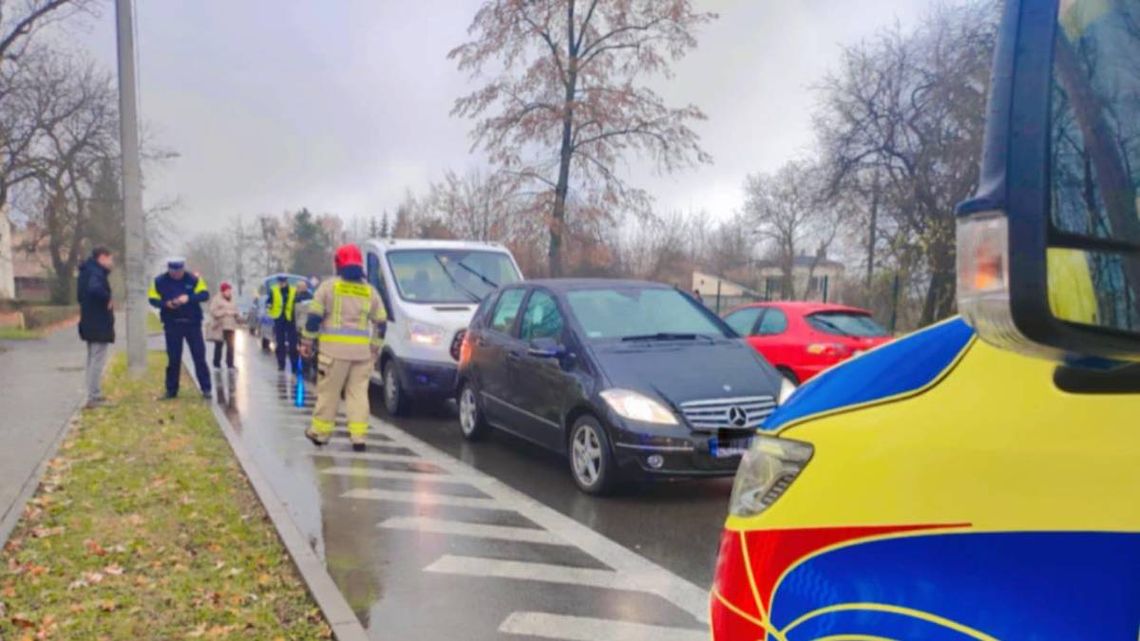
(766, 471)
(425, 334)
(638, 407)
(787, 388)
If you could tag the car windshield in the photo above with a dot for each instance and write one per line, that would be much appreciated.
(449, 275)
(640, 312)
(846, 324)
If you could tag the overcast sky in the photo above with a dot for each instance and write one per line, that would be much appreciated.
(342, 105)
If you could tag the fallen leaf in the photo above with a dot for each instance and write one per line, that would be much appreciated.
(108, 606)
(114, 570)
(45, 532)
(78, 584)
(93, 547)
(93, 577)
(21, 620)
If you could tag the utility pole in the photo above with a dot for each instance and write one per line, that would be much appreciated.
(132, 190)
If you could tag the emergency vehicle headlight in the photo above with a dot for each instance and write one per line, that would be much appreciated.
(766, 471)
(983, 278)
(425, 334)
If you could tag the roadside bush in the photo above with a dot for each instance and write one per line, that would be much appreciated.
(43, 315)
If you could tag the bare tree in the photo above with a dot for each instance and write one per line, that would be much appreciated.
(569, 105)
(910, 108)
(787, 210)
(74, 135)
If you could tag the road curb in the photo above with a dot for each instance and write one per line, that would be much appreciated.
(345, 626)
(11, 518)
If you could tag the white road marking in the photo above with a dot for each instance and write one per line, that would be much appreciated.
(526, 571)
(570, 628)
(399, 474)
(422, 498)
(638, 573)
(480, 530)
(363, 456)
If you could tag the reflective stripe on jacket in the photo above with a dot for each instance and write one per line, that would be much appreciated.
(278, 306)
(164, 289)
(348, 310)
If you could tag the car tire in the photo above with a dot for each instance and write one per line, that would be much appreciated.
(789, 374)
(472, 424)
(395, 398)
(592, 464)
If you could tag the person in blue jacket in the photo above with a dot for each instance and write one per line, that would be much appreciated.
(178, 295)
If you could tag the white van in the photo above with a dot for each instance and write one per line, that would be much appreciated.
(430, 289)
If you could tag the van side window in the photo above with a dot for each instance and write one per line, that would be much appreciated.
(376, 278)
(507, 310)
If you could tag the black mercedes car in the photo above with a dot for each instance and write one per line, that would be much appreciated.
(627, 378)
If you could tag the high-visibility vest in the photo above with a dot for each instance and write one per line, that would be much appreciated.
(278, 307)
(350, 314)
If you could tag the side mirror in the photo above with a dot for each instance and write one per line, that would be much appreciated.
(1049, 247)
(546, 348)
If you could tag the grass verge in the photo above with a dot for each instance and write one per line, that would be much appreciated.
(144, 527)
(19, 334)
(153, 323)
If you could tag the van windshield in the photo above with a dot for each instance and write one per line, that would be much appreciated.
(633, 313)
(449, 275)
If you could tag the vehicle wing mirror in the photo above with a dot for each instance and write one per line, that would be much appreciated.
(546, 348)
(1049, 247)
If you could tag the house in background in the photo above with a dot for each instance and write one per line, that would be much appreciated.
(813, 278)
(31, 266)
(719, 294)
(7, 267)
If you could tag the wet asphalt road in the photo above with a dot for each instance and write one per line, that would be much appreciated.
(431, 537)
(675, 524)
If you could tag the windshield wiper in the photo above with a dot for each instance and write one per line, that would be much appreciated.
(832, 326)
(490, 283)
(666, 336)
(474, 297)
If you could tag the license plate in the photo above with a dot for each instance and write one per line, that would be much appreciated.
(729, 447)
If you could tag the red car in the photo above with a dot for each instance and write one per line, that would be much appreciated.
(801, 339)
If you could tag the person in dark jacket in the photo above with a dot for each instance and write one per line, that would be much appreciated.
(96, 319)
(178, 295)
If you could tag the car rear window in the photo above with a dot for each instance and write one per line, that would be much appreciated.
(846, 324)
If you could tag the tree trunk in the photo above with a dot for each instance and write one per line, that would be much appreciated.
(940, 294)
(566, 152)
(874, 222)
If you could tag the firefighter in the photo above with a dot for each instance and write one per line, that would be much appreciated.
(178, 295)
(346, 314)
(282, 305)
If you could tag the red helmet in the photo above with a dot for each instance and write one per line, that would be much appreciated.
(348, 255)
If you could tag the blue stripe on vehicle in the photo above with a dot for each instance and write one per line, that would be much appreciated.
(1005, 585)
(897, 368)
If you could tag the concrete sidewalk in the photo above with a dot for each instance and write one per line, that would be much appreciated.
(41, 388)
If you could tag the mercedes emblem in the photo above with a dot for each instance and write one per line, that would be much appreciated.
(737, 416)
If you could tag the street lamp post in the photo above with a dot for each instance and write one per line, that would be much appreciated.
(135, 244)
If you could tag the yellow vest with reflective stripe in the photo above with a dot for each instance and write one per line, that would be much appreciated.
(277, 306)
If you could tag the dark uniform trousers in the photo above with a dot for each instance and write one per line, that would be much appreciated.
(285, 336)
(191, 332)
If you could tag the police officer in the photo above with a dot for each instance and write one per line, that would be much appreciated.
(282, 304)
(178, 295)
(347, 316)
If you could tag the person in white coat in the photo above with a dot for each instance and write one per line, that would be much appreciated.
(222, 325)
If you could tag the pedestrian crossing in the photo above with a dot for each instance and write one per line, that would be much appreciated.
(544, 559)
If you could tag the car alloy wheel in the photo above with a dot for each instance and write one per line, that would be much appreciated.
(590, 458)
(471, 422)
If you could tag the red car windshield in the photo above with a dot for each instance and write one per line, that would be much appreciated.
(846, 324)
